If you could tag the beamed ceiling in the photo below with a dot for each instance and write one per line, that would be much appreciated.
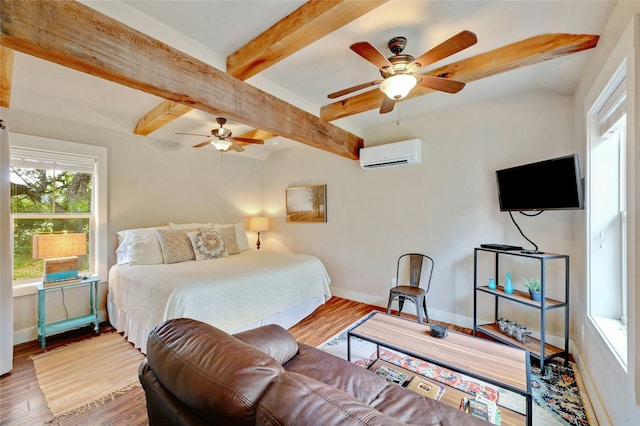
(281, 60)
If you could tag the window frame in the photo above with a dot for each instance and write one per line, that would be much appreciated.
(99, 240)
(602, 117)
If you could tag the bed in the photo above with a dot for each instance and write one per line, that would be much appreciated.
(233, 292)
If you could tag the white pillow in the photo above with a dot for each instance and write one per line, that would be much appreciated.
(241, 234)
(193, 225)
(140, 246)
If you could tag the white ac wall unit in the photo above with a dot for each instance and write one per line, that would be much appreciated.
(394, 154)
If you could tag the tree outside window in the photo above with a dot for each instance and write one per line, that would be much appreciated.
(45, 201)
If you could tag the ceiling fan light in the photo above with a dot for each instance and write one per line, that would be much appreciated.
(220, 145)
(398, 86)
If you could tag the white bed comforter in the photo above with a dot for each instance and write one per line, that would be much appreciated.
(228, 292)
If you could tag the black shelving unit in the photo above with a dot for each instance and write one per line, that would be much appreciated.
(538, 348)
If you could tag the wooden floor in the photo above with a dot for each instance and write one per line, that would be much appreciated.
(22, 402)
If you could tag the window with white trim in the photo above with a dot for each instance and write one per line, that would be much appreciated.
(608, 198)
(56, 190)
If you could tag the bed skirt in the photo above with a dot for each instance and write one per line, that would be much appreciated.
(138, 334)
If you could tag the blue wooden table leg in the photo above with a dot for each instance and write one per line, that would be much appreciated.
(42, 334)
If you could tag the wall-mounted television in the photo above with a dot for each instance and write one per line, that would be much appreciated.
(554, 184)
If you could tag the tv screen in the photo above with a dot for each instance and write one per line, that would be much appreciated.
(553, 184)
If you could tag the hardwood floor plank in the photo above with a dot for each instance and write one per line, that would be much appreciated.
(22, 402)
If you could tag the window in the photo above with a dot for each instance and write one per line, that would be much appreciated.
(607, 223)
(56, 190)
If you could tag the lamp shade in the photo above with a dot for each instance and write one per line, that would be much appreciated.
(50, 246)
(398, 86)
(259, 223)
(221, 144)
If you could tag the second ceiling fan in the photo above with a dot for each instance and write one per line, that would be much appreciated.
(400, 71)
(222, 140)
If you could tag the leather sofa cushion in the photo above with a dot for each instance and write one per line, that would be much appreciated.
(271, 339)
(212, 373)
(334, 371)
(311, 402)
(391, 400)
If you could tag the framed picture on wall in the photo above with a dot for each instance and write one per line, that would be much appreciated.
(307, 203)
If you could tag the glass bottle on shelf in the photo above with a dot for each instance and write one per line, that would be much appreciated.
(492, 283)
(508, 285)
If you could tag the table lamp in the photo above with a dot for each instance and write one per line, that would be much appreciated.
(258, 224)
(60, 253)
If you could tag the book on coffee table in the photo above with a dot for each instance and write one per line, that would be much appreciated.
(426, 387)
(391, 372)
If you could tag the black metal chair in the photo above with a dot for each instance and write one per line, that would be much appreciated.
(418, 268)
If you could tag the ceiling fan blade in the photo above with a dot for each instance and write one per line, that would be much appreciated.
(353, 89)
(249, 140)
(371, 54)
(455, 44)
(440, 83)
(387, 105)
(234, 147)
(192, 134)
(201, 144)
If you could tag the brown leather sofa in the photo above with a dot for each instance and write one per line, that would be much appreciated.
(195, 374)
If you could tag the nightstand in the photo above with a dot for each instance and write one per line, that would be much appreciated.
(93, 317)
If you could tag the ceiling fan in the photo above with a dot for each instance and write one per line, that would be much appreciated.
(222, 140)
(400, 71)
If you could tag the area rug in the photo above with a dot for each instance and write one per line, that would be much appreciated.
(79, 375)
(558, 395)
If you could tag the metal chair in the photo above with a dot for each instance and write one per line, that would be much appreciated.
(418, 268)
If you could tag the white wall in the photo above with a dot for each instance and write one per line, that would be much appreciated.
(444, 207)
(151, 182)
(614, 391)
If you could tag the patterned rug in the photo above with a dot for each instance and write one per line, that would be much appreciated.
(558, 395)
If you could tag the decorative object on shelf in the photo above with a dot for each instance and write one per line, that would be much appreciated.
(307, 203)
(258, 224)
(502, 324)
(492, 284)
(535, 288)
(522, 334)
(60, 253)
(508, 285)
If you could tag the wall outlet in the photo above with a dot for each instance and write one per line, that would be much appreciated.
(393, 282)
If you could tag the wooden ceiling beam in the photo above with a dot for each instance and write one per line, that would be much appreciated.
(516, 55)
(76, 36)
(164, 113)
(6, 76)
(310, 22)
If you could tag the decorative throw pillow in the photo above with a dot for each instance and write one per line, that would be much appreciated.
(176, 246)
(229, 238)
(241, 234)
(207, 244)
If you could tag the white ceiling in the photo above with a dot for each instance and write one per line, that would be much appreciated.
(215, 29)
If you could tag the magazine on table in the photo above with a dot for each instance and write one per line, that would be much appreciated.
(482, 408)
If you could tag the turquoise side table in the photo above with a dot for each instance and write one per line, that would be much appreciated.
(93, 317)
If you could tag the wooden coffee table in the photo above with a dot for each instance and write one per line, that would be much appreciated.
(494, 363)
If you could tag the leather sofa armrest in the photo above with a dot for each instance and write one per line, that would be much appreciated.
(162, 408)
(213, 374)
(271, 339)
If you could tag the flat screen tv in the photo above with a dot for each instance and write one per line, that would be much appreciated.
(554, 184)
